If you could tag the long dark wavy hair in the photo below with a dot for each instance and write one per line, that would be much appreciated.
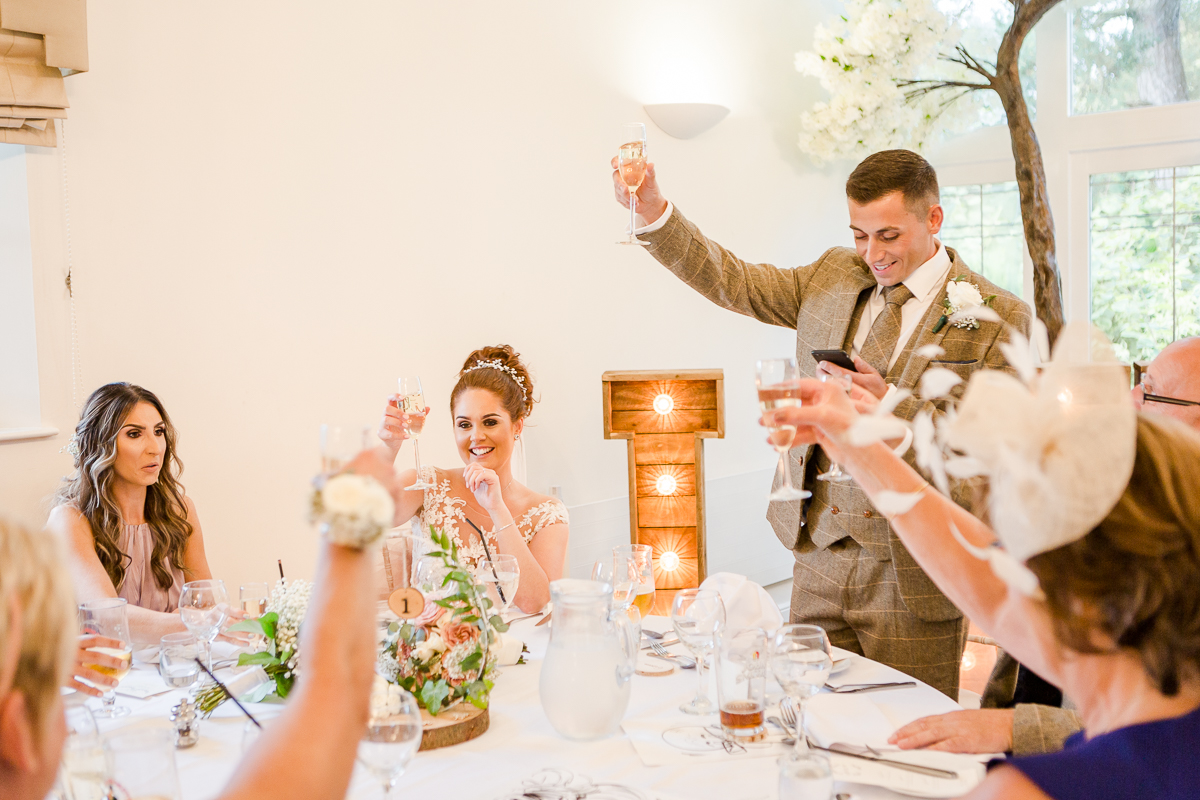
(90, 488)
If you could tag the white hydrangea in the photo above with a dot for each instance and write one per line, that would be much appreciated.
(859, 60)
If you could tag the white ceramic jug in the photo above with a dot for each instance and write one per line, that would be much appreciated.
(589, 662)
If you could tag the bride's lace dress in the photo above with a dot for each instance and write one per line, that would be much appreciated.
(441, 510)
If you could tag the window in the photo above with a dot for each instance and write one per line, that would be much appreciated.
(983, 23)
(983, 224)
(1133, 53)
(1144, 254)
(19, 398)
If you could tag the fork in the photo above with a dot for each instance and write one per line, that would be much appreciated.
(662, 652)
(787, 710)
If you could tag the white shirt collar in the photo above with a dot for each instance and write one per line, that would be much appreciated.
(929, 277)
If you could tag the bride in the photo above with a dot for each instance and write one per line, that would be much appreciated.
(489, 405)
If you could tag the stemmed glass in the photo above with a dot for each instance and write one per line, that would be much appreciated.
(500, 576)
(778, 387)
(698, 615)
(616, 574)
(801, 662)
(834, 474)
(109, 617)
(84, 771)
(339, 444)
(203, 607)
(391, 740)
(412, 403)
(638, 562)
(253, 598)
(631, 165)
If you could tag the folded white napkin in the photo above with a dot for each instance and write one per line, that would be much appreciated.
(508, 649)
(747, 605)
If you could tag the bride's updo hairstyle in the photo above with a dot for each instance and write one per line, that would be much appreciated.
(499, 370)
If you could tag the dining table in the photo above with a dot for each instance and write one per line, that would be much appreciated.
(521, 749)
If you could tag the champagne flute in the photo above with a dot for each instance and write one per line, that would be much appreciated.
(202, 606)
(698, 615)
(391, 740)
(638, 562)
(339, 444)
(109, 617)
(631, 165)
(777, 379)
(412, 403)
(801, 662)
(834, 474)
(253, 598)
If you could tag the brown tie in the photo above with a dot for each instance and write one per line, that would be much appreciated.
(885, 331)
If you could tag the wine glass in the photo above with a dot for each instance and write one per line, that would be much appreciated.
(391, 740)
(84, 772)
(698, 615)
(141, 762)
(109, 617)
(339, 444)
(637, 560)
(412, 403)
(500, 576)
(631, 165)
(203, 606)
(801, 662)
(777, 381)
(253, 598)
(177, 660)
(834, 474)
(429, 575)
(623, 589)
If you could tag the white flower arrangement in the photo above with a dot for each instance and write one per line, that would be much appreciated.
(352, 510)
(962, 296)
(289, 601)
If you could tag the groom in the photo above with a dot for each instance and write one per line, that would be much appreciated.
(882, 302)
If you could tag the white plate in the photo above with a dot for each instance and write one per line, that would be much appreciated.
(841, 665)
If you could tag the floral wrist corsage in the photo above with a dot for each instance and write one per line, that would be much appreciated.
(961, 296)
(352, 510)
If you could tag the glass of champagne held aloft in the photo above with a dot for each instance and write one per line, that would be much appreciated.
(698, 616)
(203, 606)
(835, 474)
(109, 618)
(631, 166)
(778, 387)
(412, 403)
(638, 562)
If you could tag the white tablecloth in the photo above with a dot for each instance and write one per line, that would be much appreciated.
(521, 741)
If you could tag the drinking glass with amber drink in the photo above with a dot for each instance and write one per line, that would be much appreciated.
(742, 684)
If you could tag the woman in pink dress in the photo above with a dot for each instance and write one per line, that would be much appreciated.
(128, 527)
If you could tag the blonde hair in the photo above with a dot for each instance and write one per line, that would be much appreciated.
(36, 597)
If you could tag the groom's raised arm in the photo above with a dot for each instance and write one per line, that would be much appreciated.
(765, 292)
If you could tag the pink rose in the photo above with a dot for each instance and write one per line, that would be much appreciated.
(456, 633)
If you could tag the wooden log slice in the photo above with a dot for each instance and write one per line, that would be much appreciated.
(455, 725)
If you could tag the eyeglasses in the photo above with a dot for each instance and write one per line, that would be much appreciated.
(1158, 398)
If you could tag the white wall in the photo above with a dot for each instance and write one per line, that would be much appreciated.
(277, 208)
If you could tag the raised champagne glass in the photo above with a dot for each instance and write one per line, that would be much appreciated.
(412, 403)
(778, 387)
(631, 166)
(109, 618)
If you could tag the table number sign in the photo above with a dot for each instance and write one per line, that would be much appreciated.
(407, 603)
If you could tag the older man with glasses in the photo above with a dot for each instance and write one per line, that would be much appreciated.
(1169, 386)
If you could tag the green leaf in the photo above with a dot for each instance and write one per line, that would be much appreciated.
(499, 624)
(263, 659)
(472, 662)
(433, 694)
(248, 626)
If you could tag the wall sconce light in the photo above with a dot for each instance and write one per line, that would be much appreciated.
(664, 404)
(686, 120)
(668, 561)
(666, 484)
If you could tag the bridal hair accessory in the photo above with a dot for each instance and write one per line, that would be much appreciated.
(352, 510)
(495, 364)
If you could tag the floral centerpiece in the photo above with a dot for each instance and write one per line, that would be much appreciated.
(447, 654)
(279, 627)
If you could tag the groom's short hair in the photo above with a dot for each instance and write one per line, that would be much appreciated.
(891, 171)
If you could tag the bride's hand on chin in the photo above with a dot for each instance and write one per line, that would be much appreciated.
(485, 485)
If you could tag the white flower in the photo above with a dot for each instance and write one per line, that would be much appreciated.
(506, 649)
(963, 294)
(353, 510)
(385, 698)
(433, 644)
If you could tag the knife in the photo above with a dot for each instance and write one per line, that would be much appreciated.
(857, 688)
(843, 749)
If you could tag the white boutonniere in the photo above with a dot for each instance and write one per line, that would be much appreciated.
(961, 295)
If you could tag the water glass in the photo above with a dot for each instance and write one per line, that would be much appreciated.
(742, 684)
(391, 740)
(501, 577)
(177, 660)
(698, 616)
(203, 606)
(429, 572)
(801, 661)
(109, 617)
(83, 771)
(805, 776)
(141, 762)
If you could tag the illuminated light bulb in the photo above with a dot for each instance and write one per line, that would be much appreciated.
(664, 404)
(669, 561)
(968, 662)
(666, 484)
(1065, 397)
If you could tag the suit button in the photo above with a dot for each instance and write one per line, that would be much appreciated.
(834, 510)
(867, 514)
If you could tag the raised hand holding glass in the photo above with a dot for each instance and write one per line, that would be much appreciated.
(109, 617)
(631, 166)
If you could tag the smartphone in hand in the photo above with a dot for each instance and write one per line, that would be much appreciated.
(839, 357)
